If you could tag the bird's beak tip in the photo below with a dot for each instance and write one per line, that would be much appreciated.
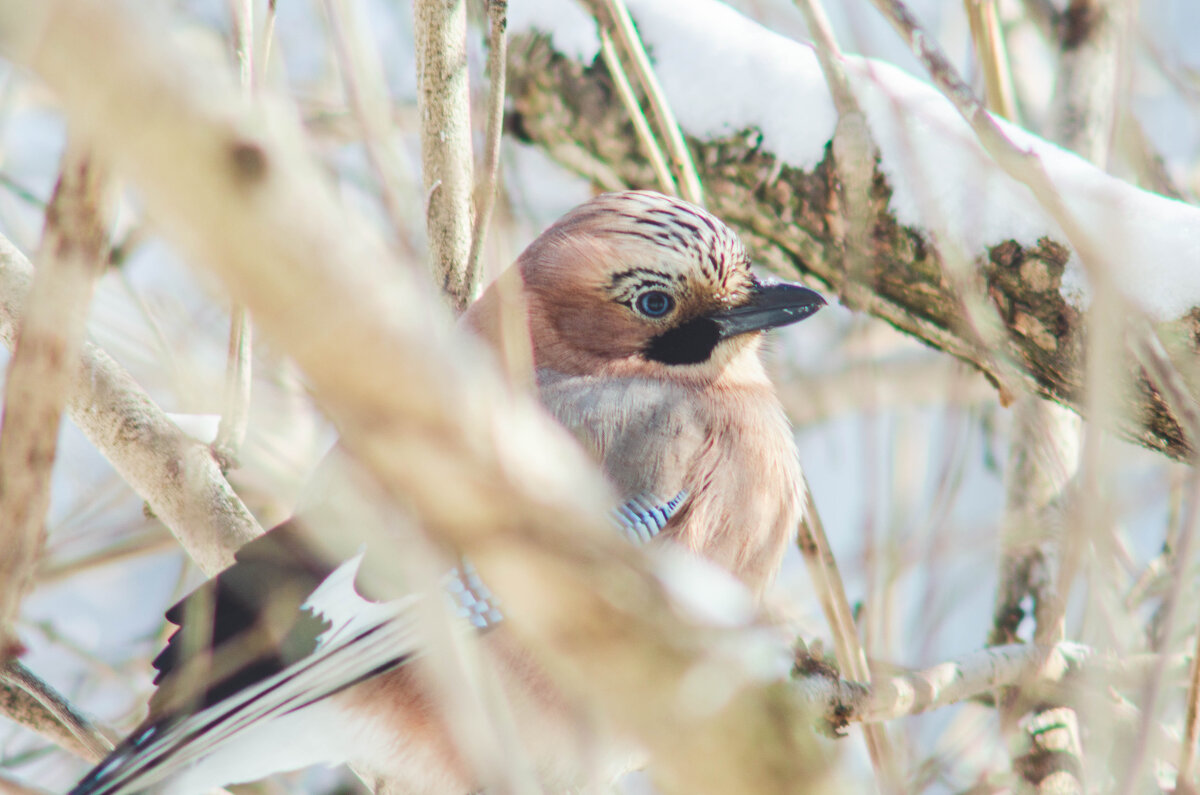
(773, 304)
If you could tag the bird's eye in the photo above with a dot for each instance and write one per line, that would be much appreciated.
(654, 303)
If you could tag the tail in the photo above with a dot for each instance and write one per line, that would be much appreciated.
(205, 747)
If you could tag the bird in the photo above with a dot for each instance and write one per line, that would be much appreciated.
(644, 323)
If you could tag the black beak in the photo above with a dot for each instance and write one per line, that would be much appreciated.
(771, 305)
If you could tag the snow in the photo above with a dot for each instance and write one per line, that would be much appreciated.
(723, 73)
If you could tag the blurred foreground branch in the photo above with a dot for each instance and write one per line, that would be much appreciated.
(421, 405)
(73, 252)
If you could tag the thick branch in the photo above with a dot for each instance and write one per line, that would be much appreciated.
(793, 220)
(175, 474)
(440, 28)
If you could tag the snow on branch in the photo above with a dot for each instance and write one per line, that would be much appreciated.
(948, 228)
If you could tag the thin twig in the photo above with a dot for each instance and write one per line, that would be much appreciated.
(1191, 725)
(267, 36)
(855, 149)
(73, 253)
(1146, 160)
(641, 127)
(10, 787)
(993, 60)
(366, 93)
(1154, 357)
(485, 193)
(239, 358)
(616, 17)
(147, 543)
(34, 704)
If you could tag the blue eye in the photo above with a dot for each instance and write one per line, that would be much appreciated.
(654, 303)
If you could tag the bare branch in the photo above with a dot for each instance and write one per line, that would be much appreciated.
(32, 703)
(175, 474)
(440, 27)
(74, 251)
(897, 694)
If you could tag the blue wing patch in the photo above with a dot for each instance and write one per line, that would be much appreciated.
(644, 516)
(640, 519)
(471, 598)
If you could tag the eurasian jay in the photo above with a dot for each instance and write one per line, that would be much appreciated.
(645, 323)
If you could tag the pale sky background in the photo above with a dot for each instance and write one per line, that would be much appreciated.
(915, 490)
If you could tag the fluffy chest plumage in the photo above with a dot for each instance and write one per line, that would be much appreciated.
(727, 446)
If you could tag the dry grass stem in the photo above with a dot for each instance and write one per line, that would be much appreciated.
(827, 582)
(73, 253)
(641, 127)
(856, 151)
(615, 16)
(367, 95)
(993, 59)
(235, 410)
(485, 193)
(1186, 775)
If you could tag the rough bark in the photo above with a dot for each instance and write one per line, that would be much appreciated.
(794, 222)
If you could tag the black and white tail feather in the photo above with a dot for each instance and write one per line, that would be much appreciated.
(261, 720)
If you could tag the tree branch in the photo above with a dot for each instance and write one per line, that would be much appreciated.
(793, 220)
(32, 703)
(440, 27)
(176, 475)
(73, 253)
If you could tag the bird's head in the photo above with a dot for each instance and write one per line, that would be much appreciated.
(640, 283)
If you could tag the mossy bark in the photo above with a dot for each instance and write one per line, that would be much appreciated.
(794, 221)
